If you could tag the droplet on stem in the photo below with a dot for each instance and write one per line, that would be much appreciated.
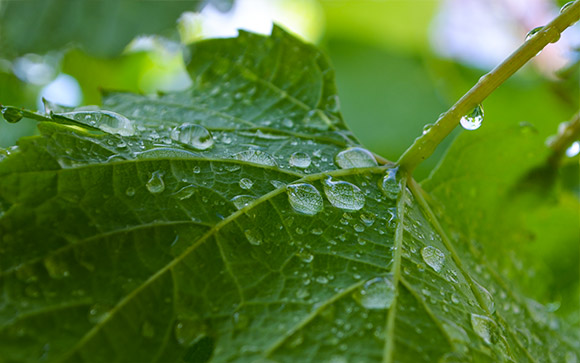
(473, 120)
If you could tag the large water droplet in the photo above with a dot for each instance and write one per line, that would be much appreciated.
(195, 135)
(188, 332)
(484, 327)
(107, 121)
(256, 157)
(486, 297)
(473, 120)
(240, 201)
(355, 157)
(376, 294)
(304, 198)
(12, 115)
(433, 257)
(246, 183)
(566, 6)
(344, 195)
(155, 184)
(390, 185)
(533, 32)
(300, 160)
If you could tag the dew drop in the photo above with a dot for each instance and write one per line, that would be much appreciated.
(426, 128)
(185, 192)
(305, 256)
(355, 157)
(473, 120)
(155, 184)
(130, 192)
(56, 267)
(246, 183)
(107, 121)
(566, 6)
(300, 160)
(304, 198)
(486, 297)
(376, 294)
(323, 280)
(534, 31)
(256, 157)
(188, 332)
(195, 135)
(98, 313)
(390, 185)
(433, 257)
(368, 219)
(196, 169)
(11, 115)
(302, 293)
(344, 195)
(484, 327)
(455, 332)
(240, 201)
(254, 236)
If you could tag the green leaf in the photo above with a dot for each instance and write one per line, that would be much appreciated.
(240, 221)
(103, 27)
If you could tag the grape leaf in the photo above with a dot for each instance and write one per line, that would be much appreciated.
(104, 27)
(239, 221)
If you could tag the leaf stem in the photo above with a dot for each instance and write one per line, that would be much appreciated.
(563, 140)
(426, 144)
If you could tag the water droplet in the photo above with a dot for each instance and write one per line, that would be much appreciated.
(240, 201)
(185, 192)
(473, 120)
(533, 32)
(130, 192)
(188, 332)
(433, 257)
(246, 183)
(486, 297)
(256, 157)
(98, 313)
(147, 330)
(484, 327)
(304, 198)
(564, 8)
(305, 256)
(195, 135)
(355, 157)
(322, 280)
(107, 121)
(390, 185)
(254, 236)
(300, 160)
(344, 195)
(359, 228)
(57, 268)
(302, 293)
(196, 169)
(376, 294)
(155, 184)
(573, 150)
(367, 219)
(426, 128)
(11, 115)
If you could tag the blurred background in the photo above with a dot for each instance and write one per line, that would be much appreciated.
(399, 64)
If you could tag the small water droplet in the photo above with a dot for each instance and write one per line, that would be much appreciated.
(305, 256)
(323, 280)
(240, 201)
(241, 321)
(300, 160)
(130, 192)
(254, 236)
(304, 198)
(98, 313)
(156, 184)
(302, 293)
(564, 8)
(484, 327)
(533, 32)
(344, 195)
(455, 332)
(56, 267)
(316, 231)
(246, 183)
(196, 169)
(433, 257)
(390, 185)
(195, 135)
(185, 192)
(473, 120)
(188, 332)
(359, 228)
(367, 219)
(376, 294)
(256, 157)
(426, 128)
(355, 157)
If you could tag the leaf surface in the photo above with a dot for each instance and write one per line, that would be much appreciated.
(129, 234)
